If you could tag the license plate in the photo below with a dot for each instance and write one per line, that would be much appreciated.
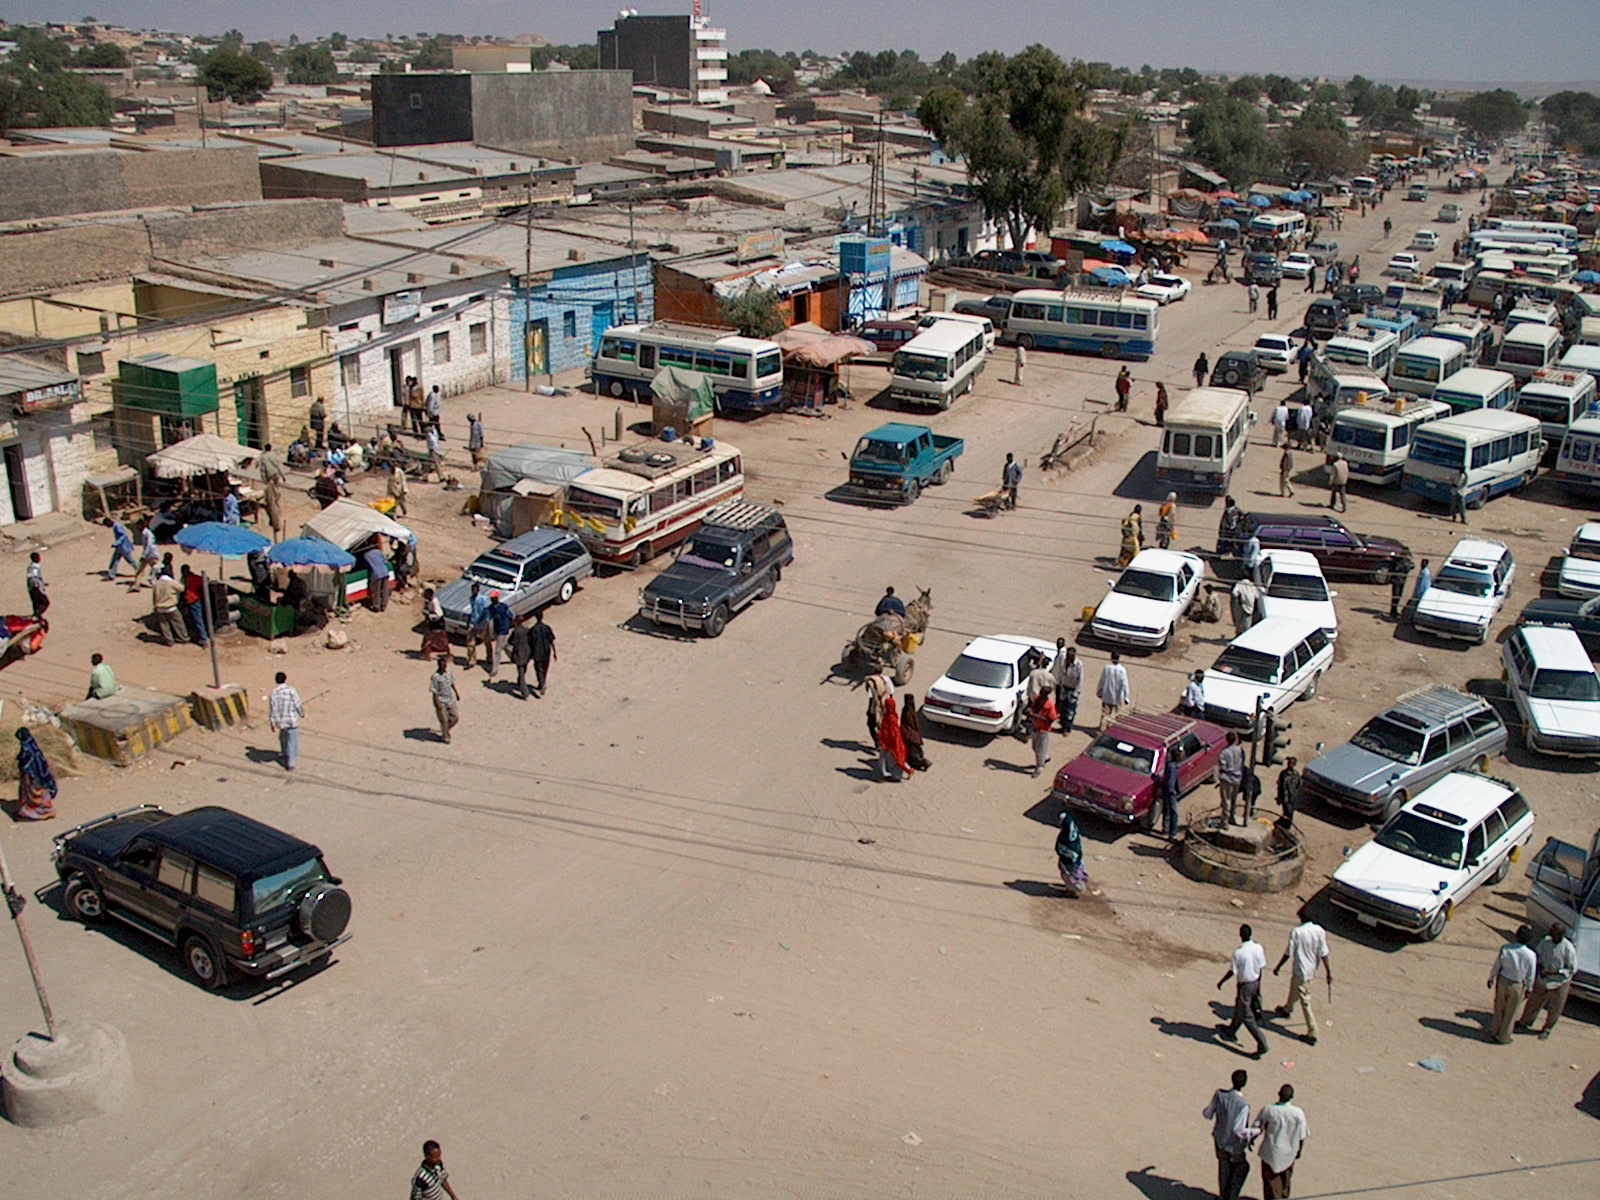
(1366, 920)
(961, 710)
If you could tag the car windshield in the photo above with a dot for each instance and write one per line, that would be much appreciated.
(1146, 585)
(1565, 685)
(593, 504)
(869, 450)
(706, 552)
(1297, 587)
(921, 366)
(1392, 740)
(1248, 664)
(276, 890)
(1417, 837)
(1114, 752)
(1463, 583)
(493, 574)
(981, 672)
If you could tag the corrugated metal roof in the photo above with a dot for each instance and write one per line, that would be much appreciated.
(24, 375)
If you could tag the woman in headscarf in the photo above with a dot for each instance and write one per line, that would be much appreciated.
(1167, 520)
(36, 786)
(1069, 856)
(1132, 535)
(891, 747)
(435, 638)
(911, 735)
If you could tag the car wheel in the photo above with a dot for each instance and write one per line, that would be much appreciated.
(1025, 341)
(1436, 926)
(617, 389)
(1147, 819)
(1478, 501)
(946, 469)
(717, 621)
(565, 594)
(1393, 805)
(83, 900)
(1501, 871)
(1381, 576)
(202, 963)
(1019, 724)
(913, 490)
(1166, 639)
(769, 584)
(1311, 688)
(643, 554)
(1482, 764)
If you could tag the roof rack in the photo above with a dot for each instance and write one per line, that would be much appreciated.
(738, 514)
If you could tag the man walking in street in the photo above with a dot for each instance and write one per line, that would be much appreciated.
(1202, 368)
(520, 646)
(194, 605)
(1338, 481)
(164, 603)
(475, 439)
(149, 556)
(1397, 586)
(272, 476)
(1041, 715)
(38, 591)
(1515, 971)
(1171, 790)
(1272, 303)
(544, 649)
(1229, 1115)
(1307, 948)
(397, 488)
(432, 1181)
(1458, 497)
(1193, 702)
(1289, 789)
(1282, 1129)
(1253, 295)
(1286, 470)
(1249, 960)
(446, 699)
(1124, 389)
(500, 621)
(1011, 480)
(1558, 963)
(1280, 423)
(1230, 774)
(433, 407)
(1113, 689)
(121, 547)
(478, 625)
(1019, 364)
(284, 711)
(1067, 672)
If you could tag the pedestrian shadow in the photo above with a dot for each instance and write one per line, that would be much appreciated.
(1000, 764)
(423, 733)
(1472, 1032)
(1162, 1187)
(845, 744)
(1189, 1030)
(1038, 889)
(506, 687)
(868, 774)
(1589, 1102)
(1046, 812)
(262, 756)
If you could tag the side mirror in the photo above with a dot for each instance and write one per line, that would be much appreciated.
(1333, 595)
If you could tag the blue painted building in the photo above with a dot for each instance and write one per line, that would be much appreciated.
(559, 313)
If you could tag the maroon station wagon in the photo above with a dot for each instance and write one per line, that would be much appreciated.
(1115, 778)
(888, 335)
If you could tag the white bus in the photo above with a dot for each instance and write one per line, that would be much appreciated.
(1557, 397)
(1578, 464)
(1499, 451)
(1565, 234)
(1472, 388)
(1281, 227)
(1421, 365)
(1204, 440)
(1375, 438)
(1469, 331)
(939, 364)
(648, 497)
(1334, 387)
(1589, 331)
(1368, 349)
(1527, 348)
(1582, 358)
(928, 320)
(746, 373)
(1110, 324)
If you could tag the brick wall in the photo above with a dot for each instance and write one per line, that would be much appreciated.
(61, 447)
(58, 184)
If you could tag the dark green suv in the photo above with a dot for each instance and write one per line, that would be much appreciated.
(736, 556)
(232, 895)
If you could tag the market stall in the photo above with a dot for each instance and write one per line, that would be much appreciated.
(521, 483)
(352, 527)
(199, 471)
(811, 360)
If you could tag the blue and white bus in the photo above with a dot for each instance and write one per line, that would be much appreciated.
(746, 373)
(1110, 324)
(1499, 452)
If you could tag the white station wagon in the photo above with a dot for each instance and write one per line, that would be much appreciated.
(1292, 585)
(1464, 831)
(1580, 568)
(984, 689)
(1553, 684)
(1148, 598)
(1468, 591)
(1276, 662)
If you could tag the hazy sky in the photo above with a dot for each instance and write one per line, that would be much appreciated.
(1470, 40)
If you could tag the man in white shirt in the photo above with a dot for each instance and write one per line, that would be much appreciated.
(1558, 963)
(1249, 960)
(1068, 674)
(1113, 689)
(1193, 703)
(1280, 421)
(1308, 947)
(1282, 1129)
(1040, 680)
(1515, 970)
(1229, 1114)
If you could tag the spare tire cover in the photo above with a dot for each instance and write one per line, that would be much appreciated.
(324, 912)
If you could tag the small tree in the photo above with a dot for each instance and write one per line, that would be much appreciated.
(310, 64)
(238, 77)
(754, 312)
(1230, 136)
(102, 54)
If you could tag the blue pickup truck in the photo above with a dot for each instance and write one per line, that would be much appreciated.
(893, 463)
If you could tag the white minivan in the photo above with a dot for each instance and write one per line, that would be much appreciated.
(1472, 388)
(1528, 348)
(1292, 585)
(1204, 440)
(1376, 438)
(1557, 398)
(1498, 451)
(1421, 364)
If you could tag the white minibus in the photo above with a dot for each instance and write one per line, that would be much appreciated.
(648, 497)
(1582, 358)
(1472, 388)
(1589, 331)
(1376, 437)
(1528, 348)
(1110, 324)
(1578, 464)
(1419, 366)
(939, 364)
(745, 373)
(1333, 385)
(1499, 451)
(1281, 227)
(1557, 397)
(1369, 349)
(984, 323)
(1469, 331)
(1204, 440)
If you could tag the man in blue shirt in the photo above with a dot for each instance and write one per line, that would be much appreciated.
(477, 622)
(121, 548)
(230, 507)
(378, 576)
(500, 621)
(890, 604)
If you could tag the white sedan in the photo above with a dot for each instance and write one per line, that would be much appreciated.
(1580, 569)
(1404, 266)
(1164, 288)
(1298, 265)
(1275, 352)
(1147, 599)
(985, 689)
(1292, 585)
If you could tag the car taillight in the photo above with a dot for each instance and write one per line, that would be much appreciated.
(247, 943)
(986, 712)
(935, 702)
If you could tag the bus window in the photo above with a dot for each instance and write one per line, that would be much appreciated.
(705, 480)
(647, 357)
(1140, 321)
(1402, 437)
(1074, 316)
(1178, 444)
(769, 363)
(1053, 313)
(677, 356)
(727, 470)
(1519, 444)
(741, 366)
(1202, 446)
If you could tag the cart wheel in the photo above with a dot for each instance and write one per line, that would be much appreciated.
(849, 656)
(904, 664)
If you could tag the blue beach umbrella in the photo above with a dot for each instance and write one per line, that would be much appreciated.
(215, 537)
(1587, 277)
(310, 552)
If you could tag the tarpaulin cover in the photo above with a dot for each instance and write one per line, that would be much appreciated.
(346, 523)
(202, 454)
(828, 352)
(548, 464)
(685, 387)
(799, 335)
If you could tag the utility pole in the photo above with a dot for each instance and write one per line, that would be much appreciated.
(633, 262)
(527, 290)
(15, 901)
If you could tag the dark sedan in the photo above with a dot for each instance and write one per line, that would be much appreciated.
(1338, 550)
(1581, 616)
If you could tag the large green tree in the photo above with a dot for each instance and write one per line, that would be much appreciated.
(1492, 115)
(1027, 144)
(310, 64)
(1318, 145)
(101, 54)
(1229, 136)
(234, 76)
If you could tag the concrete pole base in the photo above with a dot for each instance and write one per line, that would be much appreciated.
(84, 1073)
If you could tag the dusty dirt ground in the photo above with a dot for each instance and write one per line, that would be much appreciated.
(661, 934)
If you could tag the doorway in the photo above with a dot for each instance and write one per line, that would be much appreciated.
(405, 360)
(600, 320)
(802, 307)
(17, 482)
(538, 360)
(250, 408)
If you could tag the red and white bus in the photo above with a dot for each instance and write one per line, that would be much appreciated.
(648, 497)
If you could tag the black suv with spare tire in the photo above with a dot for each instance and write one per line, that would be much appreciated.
(231, 895)
(736, 557)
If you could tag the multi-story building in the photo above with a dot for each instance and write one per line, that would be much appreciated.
(684, 53)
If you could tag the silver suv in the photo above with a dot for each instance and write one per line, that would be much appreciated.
(1426, 734)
